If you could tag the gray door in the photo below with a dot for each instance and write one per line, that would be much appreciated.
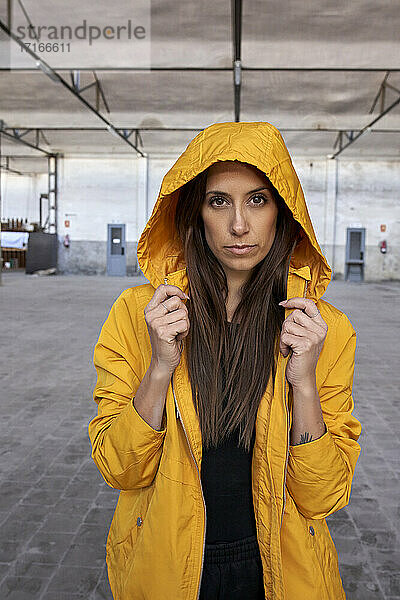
(116, 257)
(355, 250)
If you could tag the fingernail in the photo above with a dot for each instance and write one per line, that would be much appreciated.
(283, 302)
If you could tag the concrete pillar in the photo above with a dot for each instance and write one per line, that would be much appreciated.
(330, 214)
(142, 205)
(142, 200)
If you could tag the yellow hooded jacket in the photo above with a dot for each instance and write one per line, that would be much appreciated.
(155, 546)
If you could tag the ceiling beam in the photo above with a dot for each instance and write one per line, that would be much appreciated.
(130, 130)
(16, 138)
(9, 13)
(7, 168)
(57, 78)
(100, 93)
(351, 135)
(24, 156)
(236, 8)
(75, 82)
(227, 69)
(353, 138)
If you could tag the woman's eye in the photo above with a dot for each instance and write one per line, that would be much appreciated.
(215, 198)
(258, 197)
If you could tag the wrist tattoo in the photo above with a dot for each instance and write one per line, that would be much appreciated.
(305, 438)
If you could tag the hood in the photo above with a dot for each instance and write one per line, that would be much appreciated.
(159, 250)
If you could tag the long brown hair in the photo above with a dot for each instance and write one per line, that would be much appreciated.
(249, 353)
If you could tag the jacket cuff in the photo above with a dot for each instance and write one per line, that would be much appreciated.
(316, 461)
(317, 477)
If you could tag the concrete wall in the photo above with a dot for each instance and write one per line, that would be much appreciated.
(20, 195)
(96, 191)
(368, 197)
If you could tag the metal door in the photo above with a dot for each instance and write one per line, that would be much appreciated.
(355, 250)
(116, 257)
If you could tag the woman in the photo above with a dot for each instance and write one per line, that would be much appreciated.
(224, 416)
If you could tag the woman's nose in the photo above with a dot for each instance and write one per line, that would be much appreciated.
(239, 222)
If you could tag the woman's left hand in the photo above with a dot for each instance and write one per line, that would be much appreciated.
(303, 332)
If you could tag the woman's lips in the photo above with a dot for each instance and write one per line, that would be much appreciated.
(244, 250)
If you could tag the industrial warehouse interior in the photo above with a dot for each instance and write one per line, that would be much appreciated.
(89, 127)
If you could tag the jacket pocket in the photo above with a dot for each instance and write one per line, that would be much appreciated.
(327, 558)
(302, 574)
(128, 522)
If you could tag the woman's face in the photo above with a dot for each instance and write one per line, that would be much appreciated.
(238, 209)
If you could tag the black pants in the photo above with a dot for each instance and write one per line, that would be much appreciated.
(232, 571)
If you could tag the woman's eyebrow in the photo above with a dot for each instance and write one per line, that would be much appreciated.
(226, 194)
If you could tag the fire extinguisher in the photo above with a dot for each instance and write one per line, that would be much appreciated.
(382, 246)
(66, 240)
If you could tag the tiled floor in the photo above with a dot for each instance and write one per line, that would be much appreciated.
(55, 509)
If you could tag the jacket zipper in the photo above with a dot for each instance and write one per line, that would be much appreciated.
(287, 446)
(287, 431)
(178, 416)
(201, 487)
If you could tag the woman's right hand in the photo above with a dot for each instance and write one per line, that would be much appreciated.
(166, 328)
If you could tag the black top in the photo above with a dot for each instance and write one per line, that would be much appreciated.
(226, 481)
